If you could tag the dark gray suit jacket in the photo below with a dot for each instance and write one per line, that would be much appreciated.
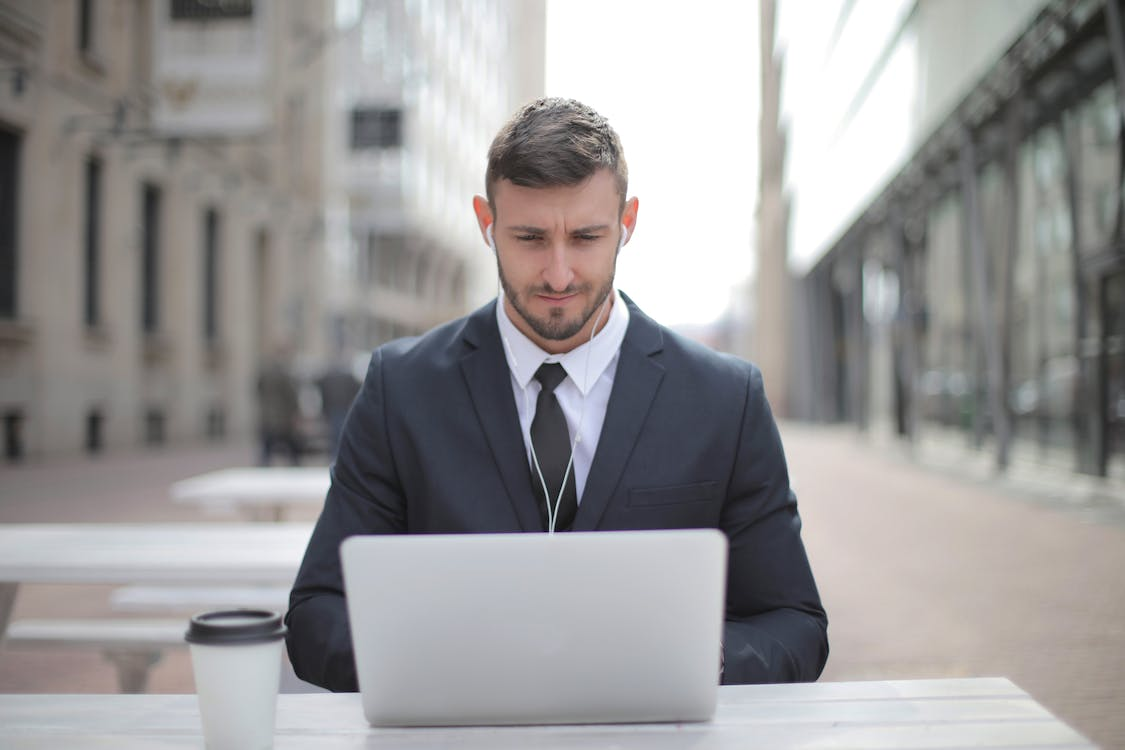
(432, 444)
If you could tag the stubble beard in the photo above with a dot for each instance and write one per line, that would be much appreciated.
(556, 327)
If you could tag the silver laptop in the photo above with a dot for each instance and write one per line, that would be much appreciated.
(573, 628)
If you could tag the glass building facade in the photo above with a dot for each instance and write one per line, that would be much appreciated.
(982, 292)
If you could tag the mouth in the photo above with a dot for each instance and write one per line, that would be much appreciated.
(557, 299)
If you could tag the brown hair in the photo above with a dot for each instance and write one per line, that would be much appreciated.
(552, 142)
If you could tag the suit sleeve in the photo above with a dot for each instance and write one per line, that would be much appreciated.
(776, 629)
(364, 498)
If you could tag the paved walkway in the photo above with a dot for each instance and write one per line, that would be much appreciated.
(925, 572)
(931, 572)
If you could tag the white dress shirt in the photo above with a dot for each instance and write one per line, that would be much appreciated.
(583, 395)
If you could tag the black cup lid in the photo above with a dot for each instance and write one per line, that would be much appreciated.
(235, 626)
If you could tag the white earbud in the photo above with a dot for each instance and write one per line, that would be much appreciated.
(624, 236)
(491, 241)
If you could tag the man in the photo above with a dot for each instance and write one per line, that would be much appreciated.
(338, 387)
(457, 431)
(278, 410)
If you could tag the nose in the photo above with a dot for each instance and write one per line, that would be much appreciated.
(558, 274)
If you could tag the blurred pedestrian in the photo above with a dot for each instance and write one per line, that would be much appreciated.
(338, 387)
(278, 411)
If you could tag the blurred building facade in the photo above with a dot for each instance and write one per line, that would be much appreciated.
(422, 87)
(161, 213)
(188, 188)
(956, 242)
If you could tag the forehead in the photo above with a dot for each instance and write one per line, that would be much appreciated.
(594, 200)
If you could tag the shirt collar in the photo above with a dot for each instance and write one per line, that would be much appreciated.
(584, 364)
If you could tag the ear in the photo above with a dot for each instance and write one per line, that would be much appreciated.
(484, 216)
(629, 217)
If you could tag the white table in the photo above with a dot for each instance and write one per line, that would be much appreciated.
(167, 553)
(263, 493)
(982, 712)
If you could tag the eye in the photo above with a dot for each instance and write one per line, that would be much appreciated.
(529, 237)
(588, 237)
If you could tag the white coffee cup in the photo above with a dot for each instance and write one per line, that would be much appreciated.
(236, 658)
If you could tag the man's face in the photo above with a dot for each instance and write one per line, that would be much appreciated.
(556, 252)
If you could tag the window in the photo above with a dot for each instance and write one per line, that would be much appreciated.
(263, 292)
(1024, 317)
(92, 275)
(216, 426)
(1044, 368)
(208, 10)
(95, 421)
(86, 12)
(13, 435)
(1113, 293)
(154, 426)
(150, 258)
(9, 204)
(1057, 299)
(1099, 122)
(946, 344)
(375, 127)
(211, 275)
(392, 260)
(371, 260)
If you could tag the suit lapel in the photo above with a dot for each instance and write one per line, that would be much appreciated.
(635, 384)
(486, 373)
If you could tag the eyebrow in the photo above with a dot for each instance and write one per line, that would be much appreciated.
(538, 230)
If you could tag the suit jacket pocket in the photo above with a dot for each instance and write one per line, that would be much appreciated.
(676, 495)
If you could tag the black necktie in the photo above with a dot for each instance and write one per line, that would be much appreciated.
(550, 440)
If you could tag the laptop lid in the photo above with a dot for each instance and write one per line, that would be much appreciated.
(577, 627)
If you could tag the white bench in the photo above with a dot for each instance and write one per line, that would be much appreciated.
(132, 646)
(192, 599)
